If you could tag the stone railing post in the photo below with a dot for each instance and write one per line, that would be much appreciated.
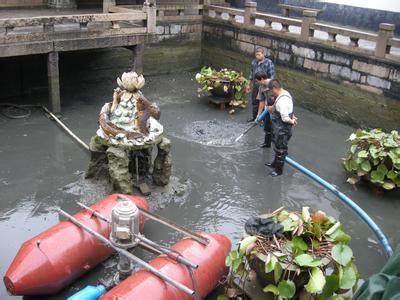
(107, 4)
(249, 10)
(309, 17)
(386, 31)
(151, 10)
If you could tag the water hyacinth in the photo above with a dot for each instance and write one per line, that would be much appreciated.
(374, 155)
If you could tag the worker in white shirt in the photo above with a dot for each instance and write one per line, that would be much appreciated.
(283, 120)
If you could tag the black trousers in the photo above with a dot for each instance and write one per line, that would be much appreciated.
(254, 101)
(281, 134)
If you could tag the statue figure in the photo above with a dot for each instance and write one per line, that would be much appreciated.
(129, 129)
(130, 118)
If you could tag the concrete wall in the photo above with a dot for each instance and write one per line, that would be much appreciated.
(353, 89)
(19, 3)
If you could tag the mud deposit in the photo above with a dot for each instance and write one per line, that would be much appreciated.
(217, 184)
(213, 132)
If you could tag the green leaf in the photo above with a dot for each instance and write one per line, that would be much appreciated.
(317, 281)
(342, 254)
(382, 169)
(340, 236)
(306, 260)
(277, 271)
(270, 265)
(270, 288)
(331, 285)
(353, 165)
(347, 277)
(392, 175)
(222, 297)
(287, 289)
(362, 154)
(333, 228)
(317, 231)
(387, 185)
(377, 177)
(353, 148)
(298, 243)
(366, 166)
(287, 224)
(236, 264)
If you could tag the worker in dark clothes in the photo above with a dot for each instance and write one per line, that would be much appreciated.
(264, 99)
(260, 63)
(283, 120)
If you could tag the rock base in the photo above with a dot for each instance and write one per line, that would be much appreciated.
(127, 167)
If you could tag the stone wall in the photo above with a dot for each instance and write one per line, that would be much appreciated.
(350, 88)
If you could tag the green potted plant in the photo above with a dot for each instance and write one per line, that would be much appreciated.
(375, 157)
(224, 83)
(310, 256)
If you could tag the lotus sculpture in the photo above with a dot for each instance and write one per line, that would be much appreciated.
(131, 81)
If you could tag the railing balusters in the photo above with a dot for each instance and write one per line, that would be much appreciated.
(332, 37)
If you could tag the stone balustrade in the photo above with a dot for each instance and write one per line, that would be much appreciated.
(67, 27)
(307, 29)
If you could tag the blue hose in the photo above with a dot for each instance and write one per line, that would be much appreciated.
(350, 203)
(90, 292)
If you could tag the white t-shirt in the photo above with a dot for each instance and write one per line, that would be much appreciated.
(284, 105)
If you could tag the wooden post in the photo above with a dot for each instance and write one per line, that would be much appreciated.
(137, 53)
(386, 31)
(53, 79)
(309, 17)
(107, 4)
(249, 10)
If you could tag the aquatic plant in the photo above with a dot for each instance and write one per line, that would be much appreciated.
(231, 81)
(308, 255)
(374, 156)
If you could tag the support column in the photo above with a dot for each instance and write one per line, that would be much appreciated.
(137, 52)
(53, 79)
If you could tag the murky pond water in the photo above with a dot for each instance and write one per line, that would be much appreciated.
(227, 182)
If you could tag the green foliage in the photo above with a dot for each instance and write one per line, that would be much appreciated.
(312, 241)
(375, 156)
(231, 80)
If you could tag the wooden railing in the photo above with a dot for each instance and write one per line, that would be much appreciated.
(307, 29)
(47, 28)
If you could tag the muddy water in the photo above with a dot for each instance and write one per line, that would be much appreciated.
(227, 182)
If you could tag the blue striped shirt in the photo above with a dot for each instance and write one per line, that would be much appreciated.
(265, 65)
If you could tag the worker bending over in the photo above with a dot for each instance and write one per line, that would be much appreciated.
(283, 120)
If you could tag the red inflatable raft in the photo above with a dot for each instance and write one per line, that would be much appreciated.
(211, 261)
(53, 259)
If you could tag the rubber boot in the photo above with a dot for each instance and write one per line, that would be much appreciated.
(271, 164)
(267, 141)
(280, 161)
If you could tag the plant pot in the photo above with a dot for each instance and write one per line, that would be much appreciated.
(220, 92)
